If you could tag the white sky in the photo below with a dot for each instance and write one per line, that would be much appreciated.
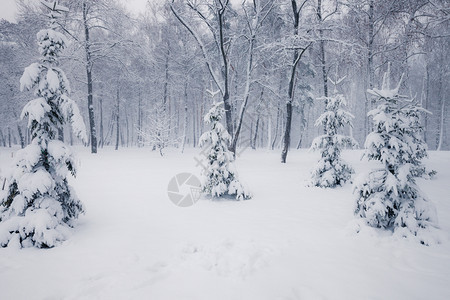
(8, 8)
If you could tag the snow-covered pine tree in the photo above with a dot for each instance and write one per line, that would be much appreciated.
(331, 170)
(219, 175)
(388, 197)
(39, 206)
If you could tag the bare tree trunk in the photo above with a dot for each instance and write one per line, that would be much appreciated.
(127, 127)
(277, 123)
(122, 139)
(297, 56)
(185, 123)
(9, 137)
(322, 50)
(93, 135)
(253, 143)
(226, 95)
(2, 138)
(232, 147)
(441, 122)
(299, 144)
(21, 137)
(441, 125)
(269, 131)
(166, 81)
(370, 71)
(194, 127)
(139, 137)
(102, 138)
(28, 136)
(117, 120)
(427, 95)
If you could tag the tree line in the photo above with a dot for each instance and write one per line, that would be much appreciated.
(147, 80)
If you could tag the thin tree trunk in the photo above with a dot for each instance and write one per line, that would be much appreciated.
(276, 127)
(322, 50)
(299, 144)
(9, 137)
(261, 135)
(194, 127)
(185, 124)
(232, 147)
(139, 119)
(441, 127)
(122, 139)
(127, 128)
(427, 95)
(109, 133)
(102, 138)
(21, 137)
(256, 133)
(117, 120)
(370, 75)
(2, 138)
(28, 136)
(269, 131)
(89, 82)
(297, 56)
(226, 95)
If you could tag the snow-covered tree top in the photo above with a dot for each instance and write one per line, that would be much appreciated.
(56, 11)
(386, 91)
(215, 114)
(51, 43)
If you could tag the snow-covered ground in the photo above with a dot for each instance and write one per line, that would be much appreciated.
(289, 242)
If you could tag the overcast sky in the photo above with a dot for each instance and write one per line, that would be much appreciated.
(8, 8)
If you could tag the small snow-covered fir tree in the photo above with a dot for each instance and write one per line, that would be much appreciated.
(388, 197)
(331, 170)
(39, 206)
(219, 176)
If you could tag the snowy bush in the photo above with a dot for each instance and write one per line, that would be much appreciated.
(39, 206)
(219, 175)
(156, 133)
(331, 170)
(389, 197)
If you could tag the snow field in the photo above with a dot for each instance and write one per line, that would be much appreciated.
(288, 242)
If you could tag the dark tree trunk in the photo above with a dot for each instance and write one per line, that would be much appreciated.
(93, 133)
(226, 94)
(117, 120)
(276, 127)
(370, 72)
(322, 50)
(185, 123)
(21, 137)
(128, 127)
(139, 120)
(427, 94)
(9, 137)
(102, 138)
(297, 56)
(194, 127)
(256, 133)
(2, 138)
